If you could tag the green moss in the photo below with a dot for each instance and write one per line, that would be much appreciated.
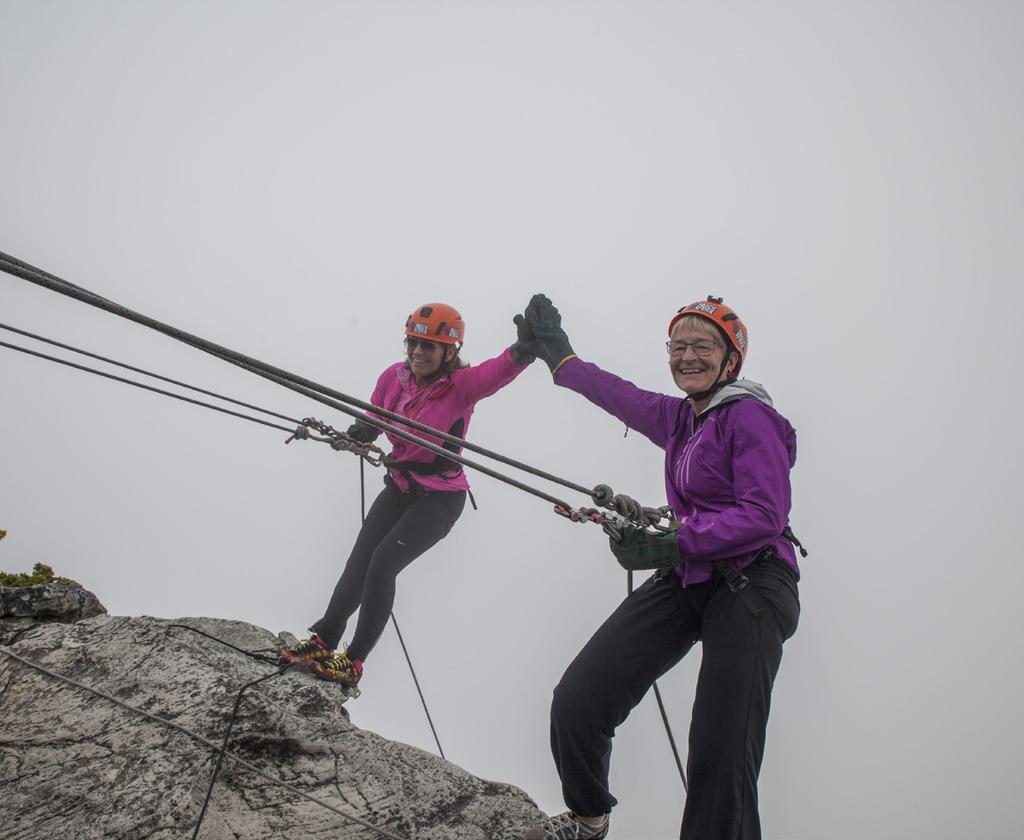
(41, 573)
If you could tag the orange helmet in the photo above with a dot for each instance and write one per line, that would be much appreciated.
(436, 322)
(722, 317)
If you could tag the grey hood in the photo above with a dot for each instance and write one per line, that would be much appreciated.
(738, 390)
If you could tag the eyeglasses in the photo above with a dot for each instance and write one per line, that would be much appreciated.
(700, 347)
(427, 346)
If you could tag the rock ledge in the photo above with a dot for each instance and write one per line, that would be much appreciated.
(75, 765)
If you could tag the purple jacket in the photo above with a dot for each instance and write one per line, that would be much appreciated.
(440, 404)
(726, 470)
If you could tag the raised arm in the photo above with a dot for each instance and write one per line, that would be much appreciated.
(650, 413)
(479, 381)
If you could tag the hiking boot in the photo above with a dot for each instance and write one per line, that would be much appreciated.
(567, 826)
(305, 652)
(338, 668)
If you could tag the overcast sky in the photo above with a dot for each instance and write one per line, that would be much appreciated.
(292, 179)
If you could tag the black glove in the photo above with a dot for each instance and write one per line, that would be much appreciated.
(523, 350)
(363, 432)
(548, 340)
(637, 549)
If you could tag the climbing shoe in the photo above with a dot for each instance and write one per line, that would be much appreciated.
(306, 652)
(338, 668)
(567, 826)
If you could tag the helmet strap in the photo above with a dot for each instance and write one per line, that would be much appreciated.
(719, 383)
(448, 364)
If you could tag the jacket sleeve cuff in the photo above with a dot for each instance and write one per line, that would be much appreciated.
(555, 369)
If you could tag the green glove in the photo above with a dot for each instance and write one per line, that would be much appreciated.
(637, 549)
(362, 432)
(548, 340)
(523, 351)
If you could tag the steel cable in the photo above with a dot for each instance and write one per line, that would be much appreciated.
(321, 393)
(201, 739)
(394, 621)
(149, 373)
(142, 385)
(661, 708)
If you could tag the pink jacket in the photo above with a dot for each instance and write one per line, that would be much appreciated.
(441, 404)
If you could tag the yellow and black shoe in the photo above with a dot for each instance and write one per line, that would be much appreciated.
(306, 653)
(338, 668)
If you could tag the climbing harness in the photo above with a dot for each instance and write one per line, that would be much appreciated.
(335, 399)
(218, 748)
(787, 532)
(737, 581)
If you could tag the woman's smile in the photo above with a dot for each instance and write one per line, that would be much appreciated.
(693, 373)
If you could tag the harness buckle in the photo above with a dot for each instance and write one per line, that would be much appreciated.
(736, 581)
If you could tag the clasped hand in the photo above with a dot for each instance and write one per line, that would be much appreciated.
(638, 549)
(540, 334)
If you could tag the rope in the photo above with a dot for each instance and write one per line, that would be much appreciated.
(671, 740)
(201, 739)
(145, 372)
(339, 441)
(394, 621)
(629, 508)
(661, 708)
(419, 691)
(145, 387)
(224, 744)
(321, 393)
(252, 654)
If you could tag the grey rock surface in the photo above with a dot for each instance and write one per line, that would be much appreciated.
(76, 765)
(22, 606)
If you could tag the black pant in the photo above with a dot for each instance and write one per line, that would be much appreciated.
(398, 528)
(647, 634)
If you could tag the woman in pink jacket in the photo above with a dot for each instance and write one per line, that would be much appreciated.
(424, 494)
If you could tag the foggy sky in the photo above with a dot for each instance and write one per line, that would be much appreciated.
(291, 180)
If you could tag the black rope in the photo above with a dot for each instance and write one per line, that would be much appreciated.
(661, 706)
(259, 657)
(224, 744)
(394, 621)
(252, 654)
(321, 393)
(419, 691)
(201, 739)
(155, 390)
(671, 740)
(149, 373)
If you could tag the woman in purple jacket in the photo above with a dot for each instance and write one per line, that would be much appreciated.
(727, 577)
(424, 493)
